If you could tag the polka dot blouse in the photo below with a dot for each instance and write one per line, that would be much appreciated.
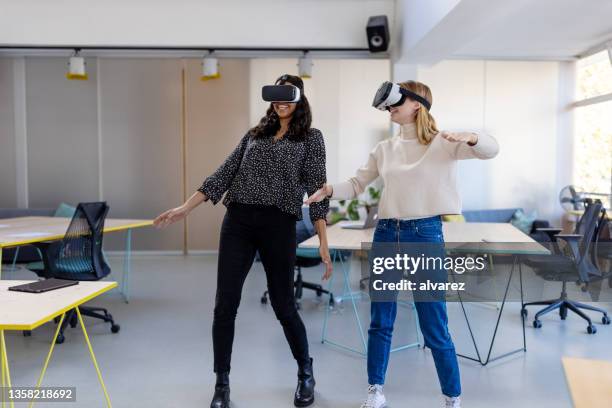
(262, 171)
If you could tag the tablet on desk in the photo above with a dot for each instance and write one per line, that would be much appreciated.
(43, 285)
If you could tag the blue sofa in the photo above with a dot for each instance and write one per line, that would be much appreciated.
(505, 215)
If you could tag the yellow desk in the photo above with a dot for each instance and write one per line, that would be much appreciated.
(589, 381)
(27, 311)
(491, 238)
(28, 230)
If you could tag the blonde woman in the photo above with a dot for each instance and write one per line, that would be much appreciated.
(419, 170)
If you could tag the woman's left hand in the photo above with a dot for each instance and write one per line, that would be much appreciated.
(324, 253)
(460, 137)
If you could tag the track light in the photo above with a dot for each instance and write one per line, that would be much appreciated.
(210, 68)
(305, 66)
(76, 67)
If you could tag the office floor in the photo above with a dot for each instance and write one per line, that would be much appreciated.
(163, 355)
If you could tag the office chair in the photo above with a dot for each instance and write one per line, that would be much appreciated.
(561, 267)
(78, 256)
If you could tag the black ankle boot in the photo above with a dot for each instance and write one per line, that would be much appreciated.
(221, 399)
(304, 393)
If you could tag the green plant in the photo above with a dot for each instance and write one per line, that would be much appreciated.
(352, 209)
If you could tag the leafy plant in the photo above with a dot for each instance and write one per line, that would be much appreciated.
(352, 208)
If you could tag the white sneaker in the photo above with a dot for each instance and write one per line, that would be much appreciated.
(452, 402)
(375, 399)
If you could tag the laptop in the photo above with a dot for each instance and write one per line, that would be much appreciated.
(43, 285)
(369, 222)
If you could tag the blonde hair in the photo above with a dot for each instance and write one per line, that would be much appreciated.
(425, 123)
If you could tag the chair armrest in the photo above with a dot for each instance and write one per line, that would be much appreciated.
(539, 224)
(551, 232)
(569, 237)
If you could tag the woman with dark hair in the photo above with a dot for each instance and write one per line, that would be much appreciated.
(265, 177)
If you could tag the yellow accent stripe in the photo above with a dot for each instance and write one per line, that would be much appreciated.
(58, 312)
(44, 369)
(5, 366)
(93, 358)
(83, 77)
(124, 227)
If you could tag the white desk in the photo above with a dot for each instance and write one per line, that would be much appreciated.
(502, 239)
(27, 311)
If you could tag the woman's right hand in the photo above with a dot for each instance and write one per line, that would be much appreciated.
(170, 216)
(320, 195)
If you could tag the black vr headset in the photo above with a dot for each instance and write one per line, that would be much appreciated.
(390, 95)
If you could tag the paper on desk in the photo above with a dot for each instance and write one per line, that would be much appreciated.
(29, 234)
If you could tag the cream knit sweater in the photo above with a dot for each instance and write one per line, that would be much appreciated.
(419, 180)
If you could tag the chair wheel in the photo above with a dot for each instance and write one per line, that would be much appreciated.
(537, 324)
(319, 293)
(27, 333)
(591, 329)
(563, 313)
(524, 312)
(264, 300)
(115, 328)
(60, 339)
(605, 319)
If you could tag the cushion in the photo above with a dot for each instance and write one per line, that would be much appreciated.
(64, 210)
(523, 221)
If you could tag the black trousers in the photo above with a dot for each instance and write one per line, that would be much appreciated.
(245, 230)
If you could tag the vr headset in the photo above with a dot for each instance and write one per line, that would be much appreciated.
(280, 93)
(390, 95)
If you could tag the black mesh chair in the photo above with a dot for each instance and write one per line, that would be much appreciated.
(575, 264)
(78, 256)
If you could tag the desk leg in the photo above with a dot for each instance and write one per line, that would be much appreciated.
(501, 310)
(127, 266)
(93, 358)
(46, 364)
(351, 296)
(6, 373)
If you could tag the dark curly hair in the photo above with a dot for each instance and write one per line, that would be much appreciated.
(300, 120)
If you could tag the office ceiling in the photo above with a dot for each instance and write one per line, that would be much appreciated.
(544, 29)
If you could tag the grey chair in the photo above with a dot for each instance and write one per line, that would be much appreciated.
(567, 267)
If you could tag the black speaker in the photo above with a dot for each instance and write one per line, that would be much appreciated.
(378, 33)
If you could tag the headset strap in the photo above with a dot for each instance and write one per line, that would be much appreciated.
(416, 97)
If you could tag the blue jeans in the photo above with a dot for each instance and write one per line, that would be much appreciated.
(433, 319)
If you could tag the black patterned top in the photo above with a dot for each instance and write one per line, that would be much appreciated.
(262, 171)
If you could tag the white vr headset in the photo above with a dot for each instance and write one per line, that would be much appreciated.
(280, 93)
(390, 95)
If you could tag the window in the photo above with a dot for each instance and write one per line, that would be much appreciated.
(593, 138)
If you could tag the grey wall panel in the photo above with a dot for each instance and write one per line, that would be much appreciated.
(61, 134)
(8, 188)
(141, 145)
(217, 118)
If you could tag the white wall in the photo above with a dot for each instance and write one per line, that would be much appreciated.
(8, 179)
(242, 23)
